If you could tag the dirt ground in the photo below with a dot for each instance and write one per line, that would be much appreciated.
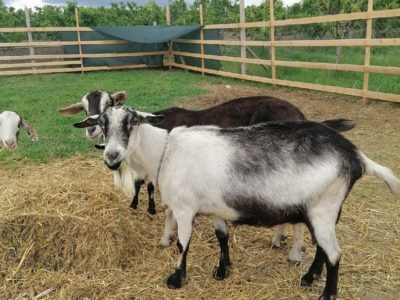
(66, 233)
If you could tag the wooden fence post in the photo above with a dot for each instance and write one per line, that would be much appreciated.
(242, 20)
(167, 15)
(272, 39)
(28, 25)
(78, 33)
(201, 38)
(168, 20)
(367, 57)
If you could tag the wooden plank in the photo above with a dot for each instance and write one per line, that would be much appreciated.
(388, 13)
(298, 64)
(122, 67)
(302, 43)
(225, 43)
(167, 15)
(78, 34)
(272, 39)
(224, 58)
(134, 54)
(340, 67)
(202, 39)
(168, 21)
(40, 64)
(66, 56)
(40, 71)
(224, 73)
(69, 70)
(104, 42)
(296, 84)
(28, 25)
(242, 19)
(367, 56)
(43, 29)
(59, 43)
(38, 57)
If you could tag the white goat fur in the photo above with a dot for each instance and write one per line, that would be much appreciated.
(139, 169)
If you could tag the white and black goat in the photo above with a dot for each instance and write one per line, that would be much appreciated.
(262, 175)
(237, 112)
(94, 103)
(10, 125)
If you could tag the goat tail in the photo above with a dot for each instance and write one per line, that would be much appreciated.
(373, 168)
(124, 180)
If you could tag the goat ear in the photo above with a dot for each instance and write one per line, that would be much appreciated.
(154, 119)
(29, 129)
(88, 122)
(100, 146)
(119, 97)
(72, 109)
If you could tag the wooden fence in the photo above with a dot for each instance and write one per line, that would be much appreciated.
(60, 63)
(74, 62)
(366, 42)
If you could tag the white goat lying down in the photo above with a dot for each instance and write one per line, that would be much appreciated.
(10, 124)
(262, 175)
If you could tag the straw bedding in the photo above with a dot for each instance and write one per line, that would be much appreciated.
(66, 233)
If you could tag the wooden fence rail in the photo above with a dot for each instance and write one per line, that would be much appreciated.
(59, 63)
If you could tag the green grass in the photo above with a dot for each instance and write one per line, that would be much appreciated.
(380, 56)
(37, 98)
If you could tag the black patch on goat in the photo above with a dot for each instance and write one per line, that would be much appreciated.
(256, 212)
(126, 125)
(94, 99)
(270, 145)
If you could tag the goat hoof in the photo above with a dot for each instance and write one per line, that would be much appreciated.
(307, 280)
(175, 281)
(221, 273)
(133, 206)
(276, 241)
(326, 297)
(151, 211)
(294, 257)
(165, 242)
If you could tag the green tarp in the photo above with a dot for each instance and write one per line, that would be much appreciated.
(142, 39)
(148, 34)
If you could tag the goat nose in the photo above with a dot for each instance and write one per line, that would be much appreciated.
(9, 143)
(112, 155)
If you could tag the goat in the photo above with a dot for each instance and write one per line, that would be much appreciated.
(10, 124)
(262, 175)
(94, 103)
(233, 113)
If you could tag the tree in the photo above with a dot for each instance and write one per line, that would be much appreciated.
(337, 30)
